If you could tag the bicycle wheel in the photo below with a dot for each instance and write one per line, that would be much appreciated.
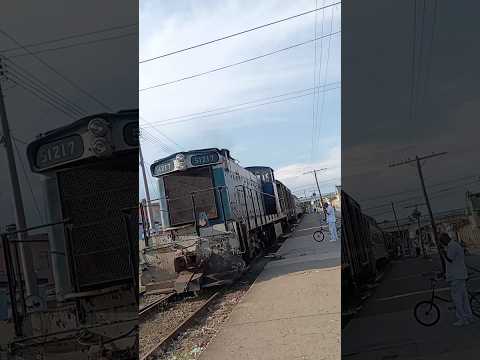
(475, 304)
(318, 236)
(427, 313)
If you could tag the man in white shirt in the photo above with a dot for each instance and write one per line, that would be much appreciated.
(330, 218)
(456, 276)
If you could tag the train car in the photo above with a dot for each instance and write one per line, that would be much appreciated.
(89, 168)
(287, 204)
(379, 243)
(366, 249)
(299, 209)
(216, 215)
(356, 246)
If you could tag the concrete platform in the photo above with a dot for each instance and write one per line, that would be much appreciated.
(386, 328)
(292, 311)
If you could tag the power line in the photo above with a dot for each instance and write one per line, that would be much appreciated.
(69, 37)
(66, 79)
(236, 34)
(414, 51)
(319, 79)
(415, 105)
(416, 190)
(319, 120)
(156, 138)
(46, 101)
(233, 108)
(429, 55)
(44, 95)
(240, 109)
(19, 140)
(160, 133)
(14, 67)
(235, 64)
(76, 45)
(434, 195)
(315, 70)
(150, 139)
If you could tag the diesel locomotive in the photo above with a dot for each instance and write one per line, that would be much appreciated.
(365, 248)
(87, 307)
(216, 217)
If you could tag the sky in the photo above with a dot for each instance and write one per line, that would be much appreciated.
(279, 135)
(103, 69)
(377, 126)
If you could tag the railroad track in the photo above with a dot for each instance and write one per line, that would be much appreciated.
(162, 342)
(153, 305)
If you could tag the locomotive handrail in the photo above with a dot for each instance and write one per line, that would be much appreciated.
(188, 194)
(65, 221)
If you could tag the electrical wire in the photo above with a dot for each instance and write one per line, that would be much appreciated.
(148, 135)
(11, 66)
(429, 56)
(241, 109)
(46, 101)
(432, 195)
(51, 68)
(84, 43)
(44, 95)
(69, 37)
(229, 107)
(236, 34)
(315, 119)
(315, 71)
(155, 141)
(160, 133)
(428, 185)
(171, 122)
(422, 30)
(414, 50)
(320, 118)
(235, 64)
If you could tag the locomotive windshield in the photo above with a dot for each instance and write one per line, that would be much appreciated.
(187, 191)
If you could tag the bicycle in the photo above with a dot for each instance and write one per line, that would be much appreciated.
(319, 235)
(427, 313)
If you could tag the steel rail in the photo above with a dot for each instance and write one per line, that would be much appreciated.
(163, 343)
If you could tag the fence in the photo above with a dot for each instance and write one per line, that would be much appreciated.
(470, 235)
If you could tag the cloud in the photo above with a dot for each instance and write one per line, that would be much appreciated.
(293, 175)
(181, 27)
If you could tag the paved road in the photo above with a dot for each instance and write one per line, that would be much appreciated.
(293, 309)
(386, 328)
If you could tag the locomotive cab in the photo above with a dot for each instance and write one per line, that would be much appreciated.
(90, 169)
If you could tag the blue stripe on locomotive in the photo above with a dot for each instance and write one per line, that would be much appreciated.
(219, 181)
(269, 200)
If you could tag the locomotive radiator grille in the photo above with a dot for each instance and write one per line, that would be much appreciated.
(95, 199)
(178, 189)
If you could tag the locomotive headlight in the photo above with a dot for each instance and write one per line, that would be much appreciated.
(101, 148)
(98, 127)
(179, 162)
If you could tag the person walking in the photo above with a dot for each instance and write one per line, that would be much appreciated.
(456, 275)
(330, 219)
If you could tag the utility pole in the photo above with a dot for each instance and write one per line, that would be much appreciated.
(147, 192)
(25, 252)
(396, 219)
(400, 238)
(417, 215)
(316, 181)
(427, 201)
